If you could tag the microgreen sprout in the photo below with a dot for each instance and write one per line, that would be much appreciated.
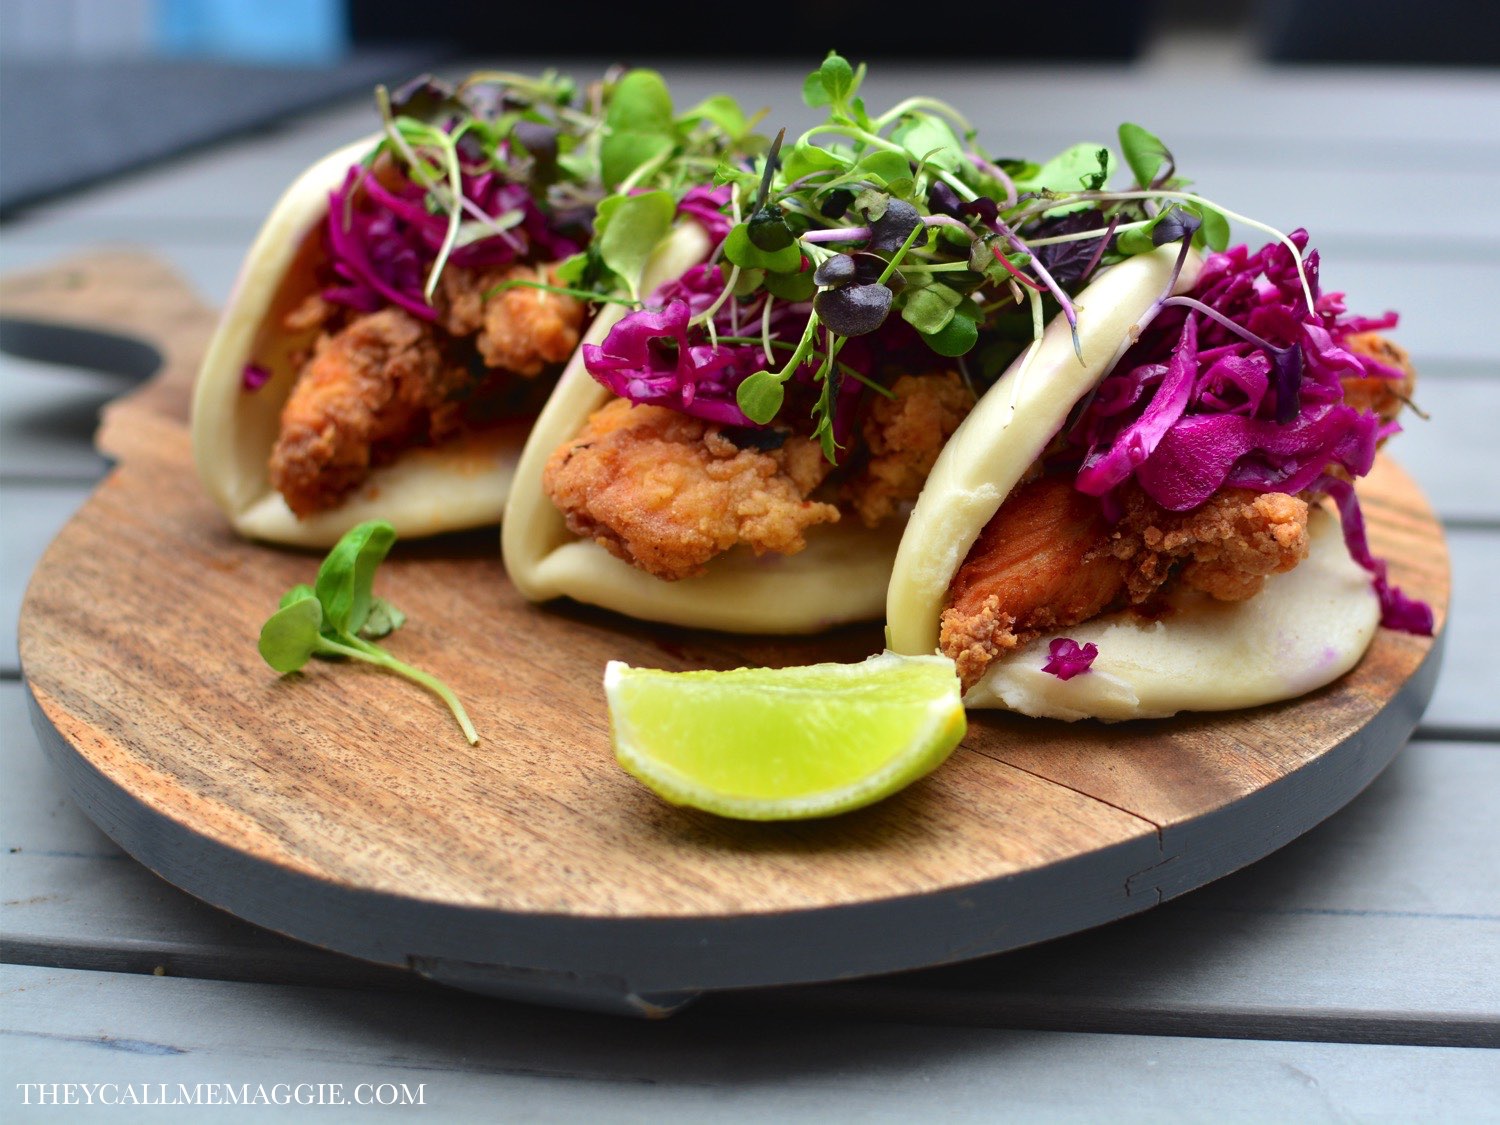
(338, 617)
(817, 225)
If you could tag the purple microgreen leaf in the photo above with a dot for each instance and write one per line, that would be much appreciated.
(891, 230)
(836, 270)
(854, 310)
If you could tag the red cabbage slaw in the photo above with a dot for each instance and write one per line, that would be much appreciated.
(658, 355)
(1066, 658)
(1240, 386)
(382, 242)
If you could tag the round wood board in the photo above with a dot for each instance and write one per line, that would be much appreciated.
(340, 805)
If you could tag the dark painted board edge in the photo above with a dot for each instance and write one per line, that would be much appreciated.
(1208, 847)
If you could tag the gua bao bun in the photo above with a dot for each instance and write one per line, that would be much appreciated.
(840, 577)
(1304, 629)
(458, 484)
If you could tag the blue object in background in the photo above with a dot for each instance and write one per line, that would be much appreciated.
(290, 32)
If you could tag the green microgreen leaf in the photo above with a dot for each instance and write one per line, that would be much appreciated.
(930, 140)
(838, 78)
(720, 110)
(806, 159)
(872, 202)
(639, 126)
(384, 620)
(742, 252)
(930, 308)
(1214, 233)
(954, 338)
(768, 230)
(334, 617)
(292, 634)
(1073, 169)
(791, 286)
(814, 93)
(298, 593)
(348, 573)
(760, 396)
(884, 166)
(1144, 153)
(627, 231)
(749, 281)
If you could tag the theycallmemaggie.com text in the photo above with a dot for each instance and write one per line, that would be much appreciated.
(222, 1093)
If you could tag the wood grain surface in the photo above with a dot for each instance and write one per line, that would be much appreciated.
(341, 805)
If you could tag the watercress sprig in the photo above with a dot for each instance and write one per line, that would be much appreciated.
(338, 617)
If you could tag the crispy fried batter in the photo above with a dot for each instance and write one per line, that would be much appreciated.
(1229, 546)
(1384, 396)
(904, 435)
(1039, 564)
(379, 384)
(522, 330)
(1049, 560)
(668, 492)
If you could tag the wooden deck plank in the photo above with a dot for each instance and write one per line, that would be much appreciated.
(478, 1057)
(48, 415)
(34, 514)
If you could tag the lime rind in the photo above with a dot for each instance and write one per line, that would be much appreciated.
(837, 737)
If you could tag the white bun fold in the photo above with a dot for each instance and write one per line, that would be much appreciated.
(459, 484)
(1007, 431)
(839, 578)
(1306, 628)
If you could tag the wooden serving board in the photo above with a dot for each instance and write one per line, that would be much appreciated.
(341, 806)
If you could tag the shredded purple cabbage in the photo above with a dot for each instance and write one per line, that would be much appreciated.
(1066, 658)
(652, 356)
(1194, 406)
(1397, 611)
(706, 205)
(254, 376)
(382, 243)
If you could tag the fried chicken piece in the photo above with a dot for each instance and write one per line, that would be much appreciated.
(1041, 563)
(1230, 545)
(1383, 396)
(1049, 560)
(668, 492)
(379, 384)
(522, 330)
(904, 435)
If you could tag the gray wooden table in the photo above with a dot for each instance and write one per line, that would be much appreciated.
(1355, 974)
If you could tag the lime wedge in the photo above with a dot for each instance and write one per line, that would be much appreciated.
(785, 743)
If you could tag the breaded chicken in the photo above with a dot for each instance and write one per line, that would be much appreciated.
(522, 330)
(1384, 396)
(668, 492)
(904, 435)
(386, 380)
(379, 384)
(1040, 563)
(1049, 560)
(1227, 548)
